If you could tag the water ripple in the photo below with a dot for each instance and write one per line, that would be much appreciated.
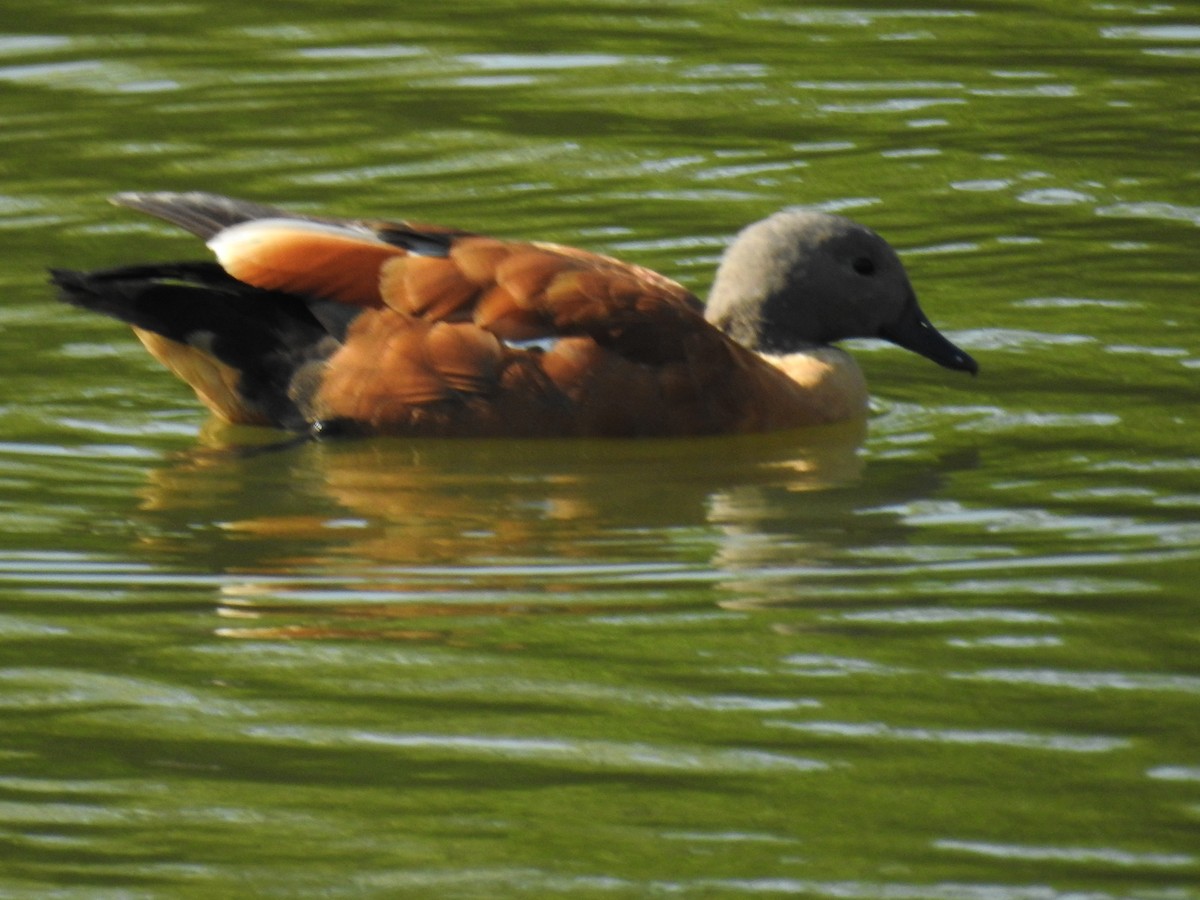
(1088, 681)
(1025, 740)
(1089, 855)
(822, 666)
(1169, 212)
(1175, 773)
(854, 18)
(895, 890)
(604, 754)
(944, 615)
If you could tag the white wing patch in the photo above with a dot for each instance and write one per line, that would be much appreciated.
(544, 344)
(239, 241)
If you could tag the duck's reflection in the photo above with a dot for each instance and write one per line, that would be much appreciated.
(372, 534)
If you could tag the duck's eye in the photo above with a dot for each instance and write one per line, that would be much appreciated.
(863, 265)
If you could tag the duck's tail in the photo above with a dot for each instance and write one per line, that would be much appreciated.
(243, 350)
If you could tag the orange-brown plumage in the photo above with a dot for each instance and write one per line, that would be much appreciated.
(279, 256)
(398, 328)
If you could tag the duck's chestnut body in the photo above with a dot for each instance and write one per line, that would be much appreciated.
(305, 323)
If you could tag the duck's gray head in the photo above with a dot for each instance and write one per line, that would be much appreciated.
(802, 277)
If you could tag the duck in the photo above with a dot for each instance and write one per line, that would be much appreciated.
(324, 326)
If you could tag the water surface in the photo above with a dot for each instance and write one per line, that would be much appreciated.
(951, 654)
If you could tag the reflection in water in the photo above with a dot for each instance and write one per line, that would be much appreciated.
(380, 538)
(433, 501)
(774, 551)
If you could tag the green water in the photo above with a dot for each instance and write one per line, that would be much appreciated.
(955, 657)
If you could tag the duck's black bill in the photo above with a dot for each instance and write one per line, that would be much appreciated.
(916, 333)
